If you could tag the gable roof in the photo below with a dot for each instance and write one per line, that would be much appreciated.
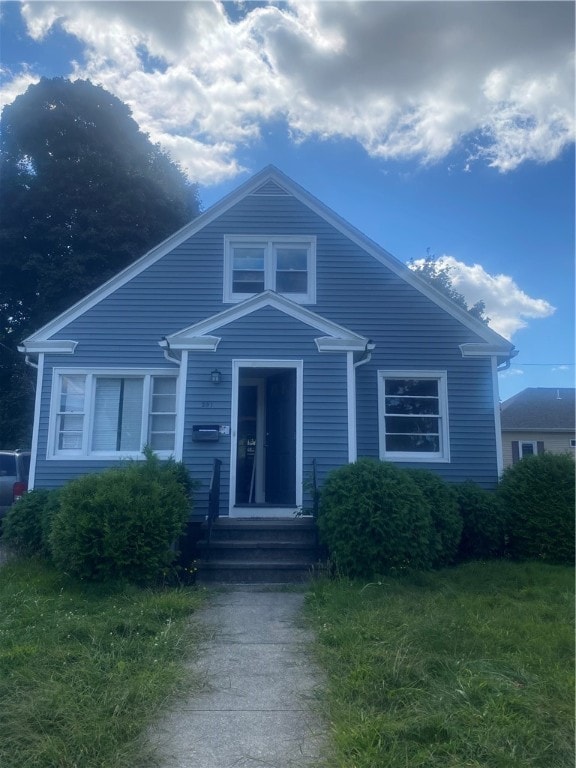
(540, 408)
(335, 338)
(272, 181)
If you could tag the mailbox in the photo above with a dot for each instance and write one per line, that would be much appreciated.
(205, 433)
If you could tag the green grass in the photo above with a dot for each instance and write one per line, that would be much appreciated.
(85, 668)
(467, 667)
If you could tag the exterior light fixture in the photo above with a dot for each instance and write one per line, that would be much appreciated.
(215, 376)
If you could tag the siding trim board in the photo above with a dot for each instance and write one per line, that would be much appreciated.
(36, 425)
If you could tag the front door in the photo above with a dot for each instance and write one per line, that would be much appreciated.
(265, 441)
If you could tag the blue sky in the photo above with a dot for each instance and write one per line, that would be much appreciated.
(441, 127)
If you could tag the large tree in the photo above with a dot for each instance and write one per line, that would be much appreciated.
(84, 192)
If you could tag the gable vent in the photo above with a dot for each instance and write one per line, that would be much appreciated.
(270, 188)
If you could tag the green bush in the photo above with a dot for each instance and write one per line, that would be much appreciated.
(374, 519)
(538, 496)
(27, 524)
(484, 525)
(121, 523)
(446, 518)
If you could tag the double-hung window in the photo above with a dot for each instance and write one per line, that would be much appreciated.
(282, 263)
(108, 413)
(413, 415)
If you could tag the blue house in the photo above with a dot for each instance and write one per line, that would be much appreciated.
(270, 334)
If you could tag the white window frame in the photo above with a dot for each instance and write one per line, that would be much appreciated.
(91, 374)
(522, 443)
(270, 242)
(443, 455)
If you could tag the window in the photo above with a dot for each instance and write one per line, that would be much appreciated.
(572, 443)
(527, 449)
(109, 413)
(413, 412)
(285, 264)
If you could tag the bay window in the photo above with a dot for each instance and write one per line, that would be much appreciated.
(101, 414)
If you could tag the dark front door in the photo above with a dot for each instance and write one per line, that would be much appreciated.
(266, 442)
(281, 438)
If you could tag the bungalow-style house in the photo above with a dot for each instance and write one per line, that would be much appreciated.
(538, 419)
(272, 335)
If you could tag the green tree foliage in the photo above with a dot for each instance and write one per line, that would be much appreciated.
(438, 277)
(122, 523)
(446, 518)
(26, 527)
(538, 497)
(84, 193)
(484, 523)
(375, 520)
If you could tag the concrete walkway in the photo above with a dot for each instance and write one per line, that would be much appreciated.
(255, 710)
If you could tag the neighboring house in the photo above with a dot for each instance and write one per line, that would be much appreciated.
(267, 333)
(538, 419)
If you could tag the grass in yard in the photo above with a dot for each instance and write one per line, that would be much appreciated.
(471, 666)
(84, 668)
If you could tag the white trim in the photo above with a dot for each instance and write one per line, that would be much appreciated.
(329, 344)
(36, 426)
(55, 346)
(195, 344)
(251, 511)
(415, 456)
(187, 337)
(497, 420)
(351, 395)
(181, 407)
(84, 453)
(268, 242)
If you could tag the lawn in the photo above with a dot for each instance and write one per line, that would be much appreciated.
(468, 667)
(84, 668)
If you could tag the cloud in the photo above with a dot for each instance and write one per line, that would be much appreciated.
(507, 306)
(405, 80)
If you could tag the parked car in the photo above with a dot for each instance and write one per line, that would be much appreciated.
(14, 470)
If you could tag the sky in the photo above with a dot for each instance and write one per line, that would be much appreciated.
(436, 128)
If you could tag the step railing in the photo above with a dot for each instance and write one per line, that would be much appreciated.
(213, 501)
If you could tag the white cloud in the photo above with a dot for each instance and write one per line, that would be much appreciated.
(405, 80)
(507, 306)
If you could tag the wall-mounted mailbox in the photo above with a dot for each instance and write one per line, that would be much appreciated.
(205, 433)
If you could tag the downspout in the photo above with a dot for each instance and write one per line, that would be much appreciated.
(367, 354)
(165, 344)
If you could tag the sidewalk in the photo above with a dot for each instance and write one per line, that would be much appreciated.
(255, 710)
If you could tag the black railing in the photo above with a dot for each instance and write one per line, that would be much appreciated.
(213, 501)
(315, 493)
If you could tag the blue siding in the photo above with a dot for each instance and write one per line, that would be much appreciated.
(353, 289)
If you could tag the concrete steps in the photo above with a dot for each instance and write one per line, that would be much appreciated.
(258, 551)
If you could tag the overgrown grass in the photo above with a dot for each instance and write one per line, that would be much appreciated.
(84, 668)
(471, 666)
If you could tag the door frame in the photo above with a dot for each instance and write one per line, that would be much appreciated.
(264, 511)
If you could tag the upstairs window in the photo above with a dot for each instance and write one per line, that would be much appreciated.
(413, 410)
(107, 414)
(285, 264)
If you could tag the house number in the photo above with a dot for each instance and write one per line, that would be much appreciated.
(207, 404)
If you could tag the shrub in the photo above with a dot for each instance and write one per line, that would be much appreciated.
(446, 518)
(27, 524)
(538, 496)
(374, 519)
(483, 523)
(121, 523)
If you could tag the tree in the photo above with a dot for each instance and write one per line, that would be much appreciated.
(84, 192)
(438, 276)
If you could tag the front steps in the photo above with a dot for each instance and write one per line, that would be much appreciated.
(258, 551)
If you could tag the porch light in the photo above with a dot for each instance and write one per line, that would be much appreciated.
(215, 376)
